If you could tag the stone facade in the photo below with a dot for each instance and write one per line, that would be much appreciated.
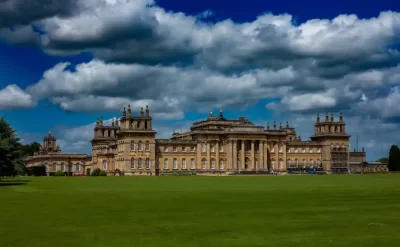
(217, 146)
(53, 159)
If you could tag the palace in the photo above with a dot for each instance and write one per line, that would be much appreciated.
(53, 159)
(218, 146)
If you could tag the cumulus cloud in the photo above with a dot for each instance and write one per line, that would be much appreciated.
(13, 97)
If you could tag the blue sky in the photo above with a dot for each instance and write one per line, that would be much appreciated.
(266, 60)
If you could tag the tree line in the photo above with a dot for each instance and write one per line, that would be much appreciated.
(12, 151)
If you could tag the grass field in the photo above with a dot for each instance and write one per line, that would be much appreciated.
(347, 210)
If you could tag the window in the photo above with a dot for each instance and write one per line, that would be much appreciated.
(174, 148)
(104, 164)
(288, 162)
(147, 146)
(192, 164)
(212, 148)
(203, 163)
(311, 163)
(175, 164)
(212, 164)
(192, 149)
(288, 150)
(46, 167)
(183, 149)
(203, 148)
(296, 150)
(165, 163)
(166, 149)
(140, 166)
(54, 167)
(273, 149)
(280, 163)
(311, 150)
(147, 163)
(304, 163)
(140, 146)
(296, 162)
(272, 164)
(132, 146)
(132, 163)
(62, 167)
(280, 148)
(78, 167)
(221, 148)
(319, 163)
(319, 150)
(221, 164)
(183, 163)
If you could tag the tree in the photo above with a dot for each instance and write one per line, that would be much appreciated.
(30, 149)
(11, 158)
(394, 158)
(383, 160)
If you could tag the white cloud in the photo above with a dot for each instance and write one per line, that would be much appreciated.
(13, 97)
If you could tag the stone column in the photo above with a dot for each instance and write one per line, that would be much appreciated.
(266, 156)
(198, 156)
(208, 164)
(242, 155)
(235, 155)
(253, 161)
(261, 154)
(284, 167)
(230, 154)
(276, 155)
(216, 155)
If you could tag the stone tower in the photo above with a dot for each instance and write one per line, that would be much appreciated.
(335, 143)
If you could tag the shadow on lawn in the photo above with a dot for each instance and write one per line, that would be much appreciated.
(13, 182)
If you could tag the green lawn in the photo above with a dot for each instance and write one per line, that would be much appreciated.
(346, 210)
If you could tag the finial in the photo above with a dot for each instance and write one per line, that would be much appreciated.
(341, 116)
(274, 125)
(141, 111)
(147, 110)
(318, 118)
(280, 125)
(220, 113)
(326, 117)
(287, 124)
(331, 117)
(268, 126)
(124, 112)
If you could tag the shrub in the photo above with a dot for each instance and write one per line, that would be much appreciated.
(103, 173)
(59, 173)
(87, 171)
(96, 172)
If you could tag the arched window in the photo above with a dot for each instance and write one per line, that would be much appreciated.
(175, 164)
(280, 164)
(183, 163)
(203, 163)
(203, 148)
(165, 163)
(78, 167)
(147, 163)
(272, 164)
(147, 146)
(288, 162)
(246, 163)
(212, 164)
(63, 168)
(140, 146)
(221, 148)
(304, 163)
(46, 167)
(140, 165)
(212, 147)
(296, 162)
(192, 164)
(54, 167)
(132, 163)
(104, 164)
(132, 146)
(311, 163)
(319, 163)
(221, 164)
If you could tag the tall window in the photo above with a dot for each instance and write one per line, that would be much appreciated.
(319, 164)
(203, 163)
(280, 148)
(280, 163)
(165, 163)
(78, 167)
(304, 163)
(166, 149)
(54, 167)
(132, 163)
(303, 150)
(132, 146)
(174, 149)
(140, 165)
(104, 164)
(212, 164)
(192, 149)
(192, 164)
(296, 162)
(46, 167)
(183, 163)
(221, 164)
(147, 163)
(175, 164)
(62, 167)
(311, 163)
(183, 149)
(140, 146)
(147, 146)
(203, 148)
(288, 162)
(319, 150)
(212, 148)
(221, 148)
(272, 164)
